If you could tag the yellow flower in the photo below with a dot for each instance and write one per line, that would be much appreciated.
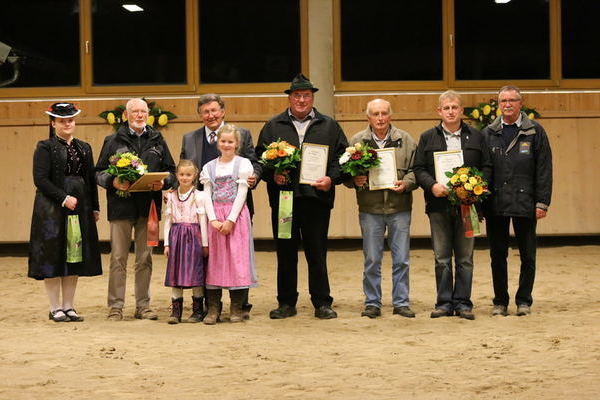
(150, 120)
(478, 190)
(123, 117)
(498, 112)
(462, 171)
(123, 162)
(453, 179)
(487, 109)
(350, 150)
(531, 116)
(463, 178)
(475, 114)
(358, 146)
(110, 118)
(468, 186)
(473, 180)
(163, 119)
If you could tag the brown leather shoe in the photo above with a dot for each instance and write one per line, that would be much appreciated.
(440, 312)
(115, 314)
(145, 313)
(466, 314)
(371, 312)
(404, 311)
(325, 312)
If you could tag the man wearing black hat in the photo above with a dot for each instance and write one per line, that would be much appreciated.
(302, 123)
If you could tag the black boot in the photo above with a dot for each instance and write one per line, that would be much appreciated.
(176, 311)
(198, 312)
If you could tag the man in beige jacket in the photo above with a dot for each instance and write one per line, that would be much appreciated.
(386, 209)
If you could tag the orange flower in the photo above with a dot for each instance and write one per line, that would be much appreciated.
(271, 154)
(478, 190)
(281, 153)
(461, 193)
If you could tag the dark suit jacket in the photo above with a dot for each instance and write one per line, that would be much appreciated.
(191, 149)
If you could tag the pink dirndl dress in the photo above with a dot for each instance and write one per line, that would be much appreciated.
(231, 257)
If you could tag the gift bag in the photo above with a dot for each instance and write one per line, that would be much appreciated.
(74, 249)
(152, 228)
(284, 220)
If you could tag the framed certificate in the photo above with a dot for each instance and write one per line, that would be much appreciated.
(141, 185)
(314, 162)
(445, 161)
(385, 175)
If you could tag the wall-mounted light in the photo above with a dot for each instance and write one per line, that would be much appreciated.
(501, 1)
(132, 7)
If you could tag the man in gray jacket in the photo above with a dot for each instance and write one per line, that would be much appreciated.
(387, 208)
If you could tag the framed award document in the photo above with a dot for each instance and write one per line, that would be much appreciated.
(314, 162)
(445, 161)
(142, 184)
(385, 175)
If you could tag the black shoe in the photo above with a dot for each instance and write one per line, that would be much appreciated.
(72, 315)
(404, 311)
(466, 314)
(440, 312)
(325, 312)
(371, 312)
(57, 315)
(282, 312)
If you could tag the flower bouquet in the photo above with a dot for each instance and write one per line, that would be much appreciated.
(486, 113)
(358, 159)
(281, 157)
(126, 167)
(467, 187)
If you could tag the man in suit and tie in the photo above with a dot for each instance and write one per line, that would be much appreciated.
(200, 146)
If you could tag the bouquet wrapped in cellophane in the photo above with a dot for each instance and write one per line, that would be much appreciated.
(126, 167)
(466, 188)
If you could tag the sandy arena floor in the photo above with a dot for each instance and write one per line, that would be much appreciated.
(552, 354)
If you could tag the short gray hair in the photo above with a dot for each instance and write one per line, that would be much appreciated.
(369, 104)
(209, 98)
(510, 88)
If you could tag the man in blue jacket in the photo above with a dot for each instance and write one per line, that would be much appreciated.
(521, 192)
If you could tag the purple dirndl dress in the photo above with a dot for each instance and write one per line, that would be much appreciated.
(231, 258)
(185, 265)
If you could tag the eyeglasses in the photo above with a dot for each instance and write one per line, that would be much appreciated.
(506, 101)
(299, 96)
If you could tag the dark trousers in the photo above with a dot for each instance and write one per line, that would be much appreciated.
(310, 224)
(498, 236)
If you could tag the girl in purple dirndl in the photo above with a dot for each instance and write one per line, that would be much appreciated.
(186, 242)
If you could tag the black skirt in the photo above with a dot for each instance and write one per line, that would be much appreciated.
(48, 241)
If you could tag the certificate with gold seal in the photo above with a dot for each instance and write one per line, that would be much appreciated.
(314, 162)
(385, 175)
(446, 161)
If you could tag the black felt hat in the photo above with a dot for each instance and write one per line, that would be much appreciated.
(63, 110)
(300, 82)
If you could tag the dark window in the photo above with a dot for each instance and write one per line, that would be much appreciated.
(44, 34)
(249, 41)
(391, 40)
(138, 47)
(502, 41)
(580, 38)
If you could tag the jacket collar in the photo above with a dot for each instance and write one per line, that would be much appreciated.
(526, 125)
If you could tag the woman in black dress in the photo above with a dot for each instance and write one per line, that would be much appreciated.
(63, 173)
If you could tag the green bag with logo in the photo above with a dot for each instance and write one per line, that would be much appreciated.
(74, 249)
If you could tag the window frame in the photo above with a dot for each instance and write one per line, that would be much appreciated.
(449, 62)
(193, 85)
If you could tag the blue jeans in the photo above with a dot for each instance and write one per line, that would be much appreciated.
(373, 227)
(448, 237)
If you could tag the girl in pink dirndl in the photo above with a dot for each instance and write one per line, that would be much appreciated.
(231, 261)
(186, 242)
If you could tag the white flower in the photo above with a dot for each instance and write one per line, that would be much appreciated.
(141, 170)
(289, 150)
(344, 158)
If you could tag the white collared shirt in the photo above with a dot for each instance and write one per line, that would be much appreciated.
(302, 125)
(518, 122)
(452, 138)
(207, 131)
(380, 142)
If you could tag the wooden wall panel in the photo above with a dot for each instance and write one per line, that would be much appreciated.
(570, 119)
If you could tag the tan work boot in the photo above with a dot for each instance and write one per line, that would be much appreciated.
(213, 297)
(235, 310)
